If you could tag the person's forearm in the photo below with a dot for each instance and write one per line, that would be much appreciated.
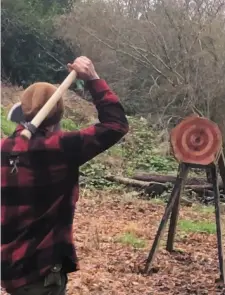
(107, 103)
(91, 141)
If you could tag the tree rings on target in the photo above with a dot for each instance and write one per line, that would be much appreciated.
(196, 140)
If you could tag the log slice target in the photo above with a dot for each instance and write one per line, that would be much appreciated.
(196, 140)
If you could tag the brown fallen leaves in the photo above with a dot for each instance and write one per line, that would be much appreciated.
(109, 267)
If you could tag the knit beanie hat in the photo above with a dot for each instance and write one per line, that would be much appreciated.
(34, 98)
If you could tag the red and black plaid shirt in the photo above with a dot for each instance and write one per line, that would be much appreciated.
(38, 200)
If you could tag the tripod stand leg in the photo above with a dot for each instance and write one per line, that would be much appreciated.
(175, 213)
(208, 175)
(218, 222)
(174, 195)
(221, 164)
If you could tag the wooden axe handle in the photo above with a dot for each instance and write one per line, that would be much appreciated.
(45, 110)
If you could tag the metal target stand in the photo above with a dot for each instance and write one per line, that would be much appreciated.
(196, 143)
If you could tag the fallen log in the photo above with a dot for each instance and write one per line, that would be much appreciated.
(169, 178)
(154, 177)
(150, 185)
(132, 182)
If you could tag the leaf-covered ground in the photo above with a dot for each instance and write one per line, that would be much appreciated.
(114, 233)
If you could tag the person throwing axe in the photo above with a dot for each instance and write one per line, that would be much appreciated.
(40, 185)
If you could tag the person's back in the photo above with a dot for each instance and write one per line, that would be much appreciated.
(39, 188)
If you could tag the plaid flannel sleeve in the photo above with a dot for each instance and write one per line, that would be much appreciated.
(81, 146)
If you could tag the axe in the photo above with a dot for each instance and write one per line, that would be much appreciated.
(16, 113)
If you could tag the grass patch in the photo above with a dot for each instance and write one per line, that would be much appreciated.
(131, 239)
(204, 209)
(197, 226)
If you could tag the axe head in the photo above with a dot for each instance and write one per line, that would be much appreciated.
(16, 115)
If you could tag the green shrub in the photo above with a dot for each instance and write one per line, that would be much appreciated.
(30, 49)
(7, 127)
